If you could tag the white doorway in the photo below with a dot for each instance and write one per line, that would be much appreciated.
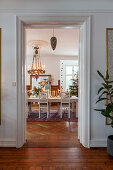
(43, 131)
(84, 105)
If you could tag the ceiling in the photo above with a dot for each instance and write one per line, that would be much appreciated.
(67, 41)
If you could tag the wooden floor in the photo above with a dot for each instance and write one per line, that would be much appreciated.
(63, 153)
(54, 159)
(52, 135)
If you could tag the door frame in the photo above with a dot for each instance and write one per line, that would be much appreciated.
(50, 19)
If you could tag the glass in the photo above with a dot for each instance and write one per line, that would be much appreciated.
(41, 82)
(35, 83)
(68, 69)
(68, 81)
(75, 69)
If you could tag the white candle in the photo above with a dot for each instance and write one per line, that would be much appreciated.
(50, 93)
(56, 93)
(43, 67)
(28, 67)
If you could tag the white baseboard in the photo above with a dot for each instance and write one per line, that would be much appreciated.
(7, 142)
(98, 143)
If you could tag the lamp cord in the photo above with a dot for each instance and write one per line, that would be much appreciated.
(53, 32)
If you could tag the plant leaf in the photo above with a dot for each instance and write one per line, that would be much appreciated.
(109, 81)
(109, 108)
(107, 86)
(99, 73)
(100, 89)
(101, 99)
(100, 110)
(104, 114)
(111, 91)
(104, 92)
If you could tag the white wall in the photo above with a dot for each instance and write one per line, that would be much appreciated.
(98, 62)
(45, 5)
(52, 66)
(8, 97)
(100, 21)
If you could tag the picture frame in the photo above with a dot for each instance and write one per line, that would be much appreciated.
(109, 58)
(37, 79)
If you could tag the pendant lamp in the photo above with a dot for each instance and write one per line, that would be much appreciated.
(53, 41)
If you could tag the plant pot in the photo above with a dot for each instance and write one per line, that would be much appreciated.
(110, 145)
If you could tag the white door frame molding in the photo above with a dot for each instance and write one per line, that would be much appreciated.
(84, 93)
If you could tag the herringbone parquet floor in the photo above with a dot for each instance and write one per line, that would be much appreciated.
(52, 134)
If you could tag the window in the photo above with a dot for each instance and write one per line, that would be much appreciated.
(68, 69)
(70, 74)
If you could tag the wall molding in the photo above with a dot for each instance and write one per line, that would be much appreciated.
(44, 11)
(98, 143)
(84, 99)
(8, 142)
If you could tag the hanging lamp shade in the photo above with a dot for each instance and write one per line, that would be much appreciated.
(53, 41)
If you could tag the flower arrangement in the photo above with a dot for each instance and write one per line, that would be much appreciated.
(36, 91)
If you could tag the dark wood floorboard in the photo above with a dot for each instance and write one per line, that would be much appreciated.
(65, 154)
(55, 159)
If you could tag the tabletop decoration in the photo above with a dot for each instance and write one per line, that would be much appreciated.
(36, 91)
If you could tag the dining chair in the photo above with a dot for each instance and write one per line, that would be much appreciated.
(43, 102)
(65, 102)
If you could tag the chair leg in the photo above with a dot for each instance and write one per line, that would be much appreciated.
(69, 113)
(39, 111)
(47, 112)
(61, 112)
(58, 108)
(49, 109)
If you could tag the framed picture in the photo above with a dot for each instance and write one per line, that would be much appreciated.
(0, 76)
(109, 57)
(43, 81)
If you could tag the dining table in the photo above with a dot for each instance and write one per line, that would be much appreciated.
(55, 99)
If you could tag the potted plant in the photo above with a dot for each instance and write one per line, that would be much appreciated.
(105, 92)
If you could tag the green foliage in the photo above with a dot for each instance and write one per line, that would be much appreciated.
(106, 94)
(36, 91)
(67, 93)
(74, 87)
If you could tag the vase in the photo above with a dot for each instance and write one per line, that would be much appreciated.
(36, 95)
(110, 145)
